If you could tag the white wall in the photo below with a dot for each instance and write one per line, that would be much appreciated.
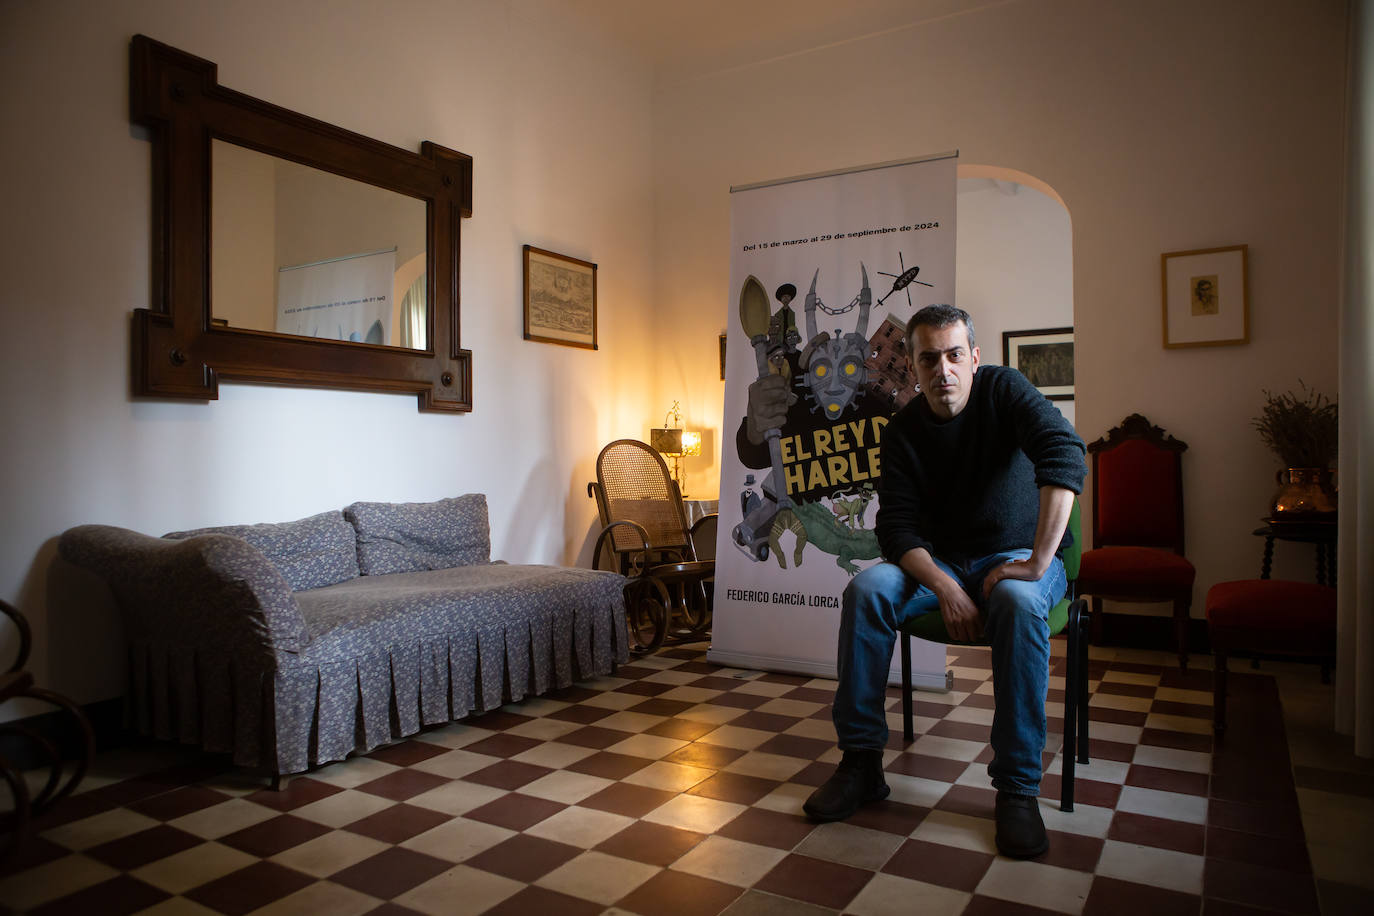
(1014, 268)
(562, 160)
(1162, 126)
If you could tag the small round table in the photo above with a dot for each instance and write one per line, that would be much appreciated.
(1321, 532)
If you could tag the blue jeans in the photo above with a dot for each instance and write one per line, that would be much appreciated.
(1015, 623)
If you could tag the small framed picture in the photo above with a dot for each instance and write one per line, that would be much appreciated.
(560, 299)
(1206, 298)
(1045, 357)
(722, 357)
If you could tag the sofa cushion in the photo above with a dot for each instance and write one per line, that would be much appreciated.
(348, 619)
(309, 553)
(408, 537)
(390, 654)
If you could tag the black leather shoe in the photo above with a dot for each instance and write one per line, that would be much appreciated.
(1020, 831)
(857, 780)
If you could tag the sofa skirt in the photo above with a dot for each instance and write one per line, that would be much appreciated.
(288, 714)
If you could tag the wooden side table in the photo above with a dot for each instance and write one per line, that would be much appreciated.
(1322, 533)
(699, 508)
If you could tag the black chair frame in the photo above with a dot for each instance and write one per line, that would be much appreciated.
(1075, 696)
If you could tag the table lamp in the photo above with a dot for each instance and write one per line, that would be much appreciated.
(672, 441)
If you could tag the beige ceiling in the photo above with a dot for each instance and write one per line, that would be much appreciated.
(683, 40)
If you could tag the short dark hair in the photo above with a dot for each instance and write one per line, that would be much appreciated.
(940, 316)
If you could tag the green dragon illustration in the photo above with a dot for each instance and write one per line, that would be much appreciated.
(829, 536)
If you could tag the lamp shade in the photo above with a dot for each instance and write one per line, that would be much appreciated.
(668, 441)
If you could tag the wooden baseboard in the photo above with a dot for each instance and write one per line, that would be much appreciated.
(107, 722)
(1139, 631)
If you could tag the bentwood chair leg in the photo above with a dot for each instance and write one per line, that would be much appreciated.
(908, 725)
(14, 826)
(86, 752)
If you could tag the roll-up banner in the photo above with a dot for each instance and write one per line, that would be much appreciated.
(345, 298)
(825, 270)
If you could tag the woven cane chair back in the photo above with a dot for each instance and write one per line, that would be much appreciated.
(635, 485)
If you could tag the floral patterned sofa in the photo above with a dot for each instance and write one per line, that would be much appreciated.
(291, 645)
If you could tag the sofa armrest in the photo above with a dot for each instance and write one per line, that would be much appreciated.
(212, 590)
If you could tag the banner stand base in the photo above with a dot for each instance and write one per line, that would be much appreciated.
(921, 680)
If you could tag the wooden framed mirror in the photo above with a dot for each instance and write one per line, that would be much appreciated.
(260, 275)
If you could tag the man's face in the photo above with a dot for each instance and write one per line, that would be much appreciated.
(944, 364)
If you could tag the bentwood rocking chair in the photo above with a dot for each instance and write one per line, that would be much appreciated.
(645, 530)
(1069, 616)
(19, 737)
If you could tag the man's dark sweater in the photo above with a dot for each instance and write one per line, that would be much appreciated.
(968, 487)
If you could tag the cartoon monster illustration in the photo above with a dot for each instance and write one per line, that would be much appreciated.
(850, 510)
(797, 400)
(835, 371)
(826, 532)
(787, 520)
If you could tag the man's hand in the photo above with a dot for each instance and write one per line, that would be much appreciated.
(1025, 570)
(769, 398)
(960, 613)
(1056, 504)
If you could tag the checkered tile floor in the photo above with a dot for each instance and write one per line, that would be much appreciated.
(675, 787)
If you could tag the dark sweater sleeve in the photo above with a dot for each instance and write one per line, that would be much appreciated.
(1044, 434)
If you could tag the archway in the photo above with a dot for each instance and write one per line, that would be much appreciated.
(1015, 258)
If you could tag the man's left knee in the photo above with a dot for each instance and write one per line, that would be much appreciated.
(1015, 598)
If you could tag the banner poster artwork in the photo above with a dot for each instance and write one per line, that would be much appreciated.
(824, 273)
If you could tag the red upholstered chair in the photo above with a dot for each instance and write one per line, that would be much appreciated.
(1268, 617)
(1137, 555)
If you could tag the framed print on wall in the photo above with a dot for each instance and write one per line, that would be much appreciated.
(1206, 298)
(1045, 357)
(560, 299)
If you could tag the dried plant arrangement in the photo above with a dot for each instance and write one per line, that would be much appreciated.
(1302, 431)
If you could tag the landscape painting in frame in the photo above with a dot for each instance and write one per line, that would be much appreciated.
(560, 299)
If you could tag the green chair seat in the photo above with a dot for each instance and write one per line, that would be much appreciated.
(931, 627)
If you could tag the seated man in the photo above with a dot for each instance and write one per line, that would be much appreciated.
(978, 480)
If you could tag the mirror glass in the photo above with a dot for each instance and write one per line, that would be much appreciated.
(298, 250)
